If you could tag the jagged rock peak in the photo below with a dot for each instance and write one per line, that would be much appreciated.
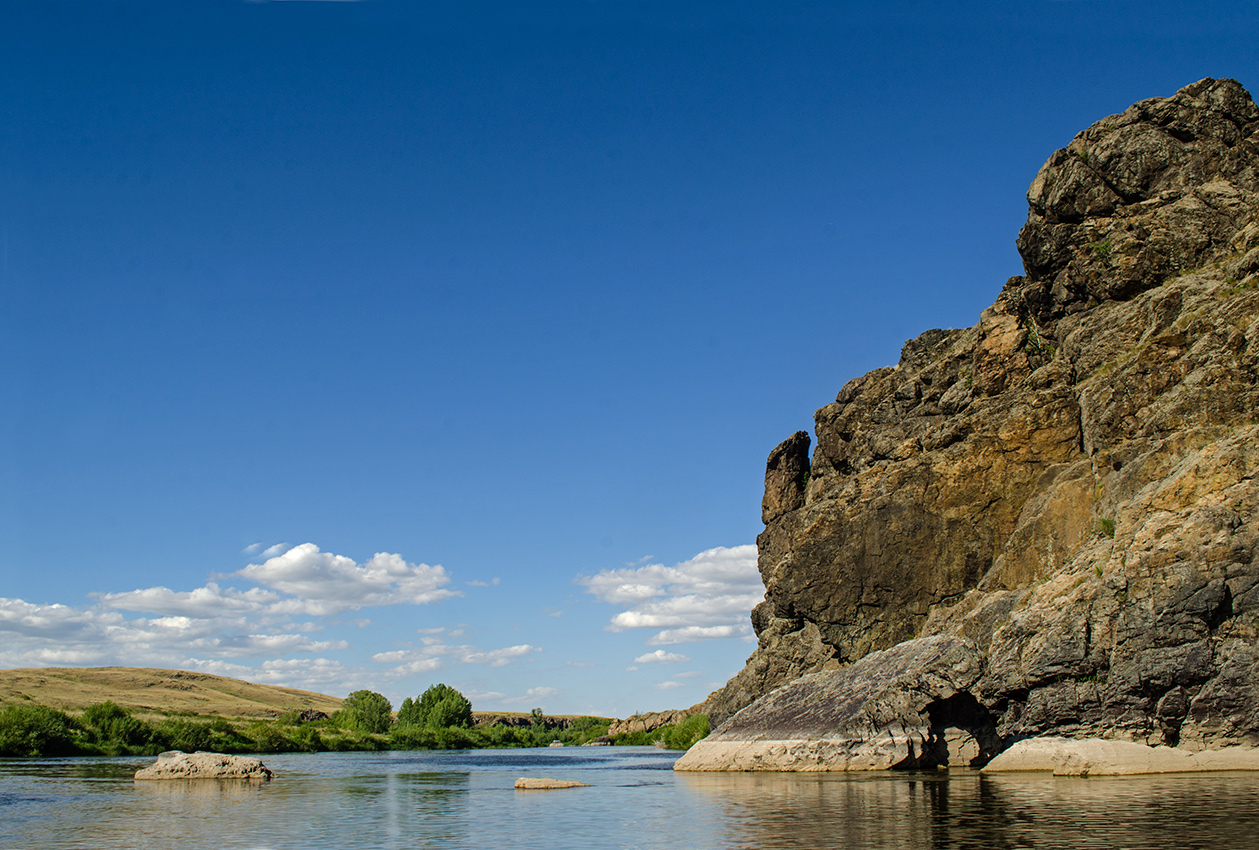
(1141, 196)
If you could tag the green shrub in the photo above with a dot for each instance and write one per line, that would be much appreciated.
(681, 736)
(35, 730)
(115, 731)
(412, 737)
(686, 734)
(186, 735)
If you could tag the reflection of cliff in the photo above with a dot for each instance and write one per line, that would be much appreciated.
(770, 810)
(1070, 484)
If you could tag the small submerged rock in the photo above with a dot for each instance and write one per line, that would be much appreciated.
(529, 783)
(174, 764)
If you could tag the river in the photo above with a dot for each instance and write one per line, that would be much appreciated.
(464, 800)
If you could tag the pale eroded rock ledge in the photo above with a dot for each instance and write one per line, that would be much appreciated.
(1098, 757)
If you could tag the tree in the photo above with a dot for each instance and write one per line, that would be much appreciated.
(439, 707)
(366, 711)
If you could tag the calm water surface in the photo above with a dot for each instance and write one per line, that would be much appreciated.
(465, 800)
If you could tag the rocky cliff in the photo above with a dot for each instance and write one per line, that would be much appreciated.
(1069, 486)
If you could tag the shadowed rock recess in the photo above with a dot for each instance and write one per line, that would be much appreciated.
(1065, 492)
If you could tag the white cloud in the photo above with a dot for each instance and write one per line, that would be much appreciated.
(708, 596)
(669, 685)
(250, 633)
(208, 601)
(435, 655)
(533, 695)
(325, 583)
(661, 657)
(669, 637)
(318, 674)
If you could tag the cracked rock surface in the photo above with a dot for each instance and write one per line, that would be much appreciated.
(1070, 484)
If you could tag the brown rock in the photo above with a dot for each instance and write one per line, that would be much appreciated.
(1071, 484)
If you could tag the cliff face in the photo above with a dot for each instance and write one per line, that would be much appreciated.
(1070, 484)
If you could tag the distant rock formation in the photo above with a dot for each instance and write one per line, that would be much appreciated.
(178, 765)
(1070, 485)
(649, 721)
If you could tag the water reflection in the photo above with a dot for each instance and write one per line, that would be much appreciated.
(965, 809)
(466, 800)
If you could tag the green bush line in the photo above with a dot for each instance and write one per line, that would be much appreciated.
(107, 729)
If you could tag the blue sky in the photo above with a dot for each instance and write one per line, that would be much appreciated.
(376, 344)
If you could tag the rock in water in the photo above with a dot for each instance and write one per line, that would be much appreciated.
(178, 765)
(1070, 484)
(902, 707)
(526, 783)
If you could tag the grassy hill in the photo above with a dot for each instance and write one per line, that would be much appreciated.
(152, 691)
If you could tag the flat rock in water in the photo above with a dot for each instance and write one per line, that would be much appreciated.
(1098, 757)
(178, 765)
(529, 783)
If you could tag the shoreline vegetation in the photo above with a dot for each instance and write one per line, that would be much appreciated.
(439, 719)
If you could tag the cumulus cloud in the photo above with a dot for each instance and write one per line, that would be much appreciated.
(326, 583)
(661, 657)
(669, 685)
(708, 596)
(216, 628)
(669, 637)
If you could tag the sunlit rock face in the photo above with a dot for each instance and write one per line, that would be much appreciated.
(1070, 485)
(904, 707)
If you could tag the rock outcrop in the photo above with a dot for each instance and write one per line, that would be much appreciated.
(901, 707)
(178, 765)
(1070, 484)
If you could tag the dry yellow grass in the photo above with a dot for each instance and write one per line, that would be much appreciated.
(152, 691)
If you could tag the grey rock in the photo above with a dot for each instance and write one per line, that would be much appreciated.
(906, 706)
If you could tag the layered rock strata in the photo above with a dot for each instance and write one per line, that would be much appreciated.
(1070, 484)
